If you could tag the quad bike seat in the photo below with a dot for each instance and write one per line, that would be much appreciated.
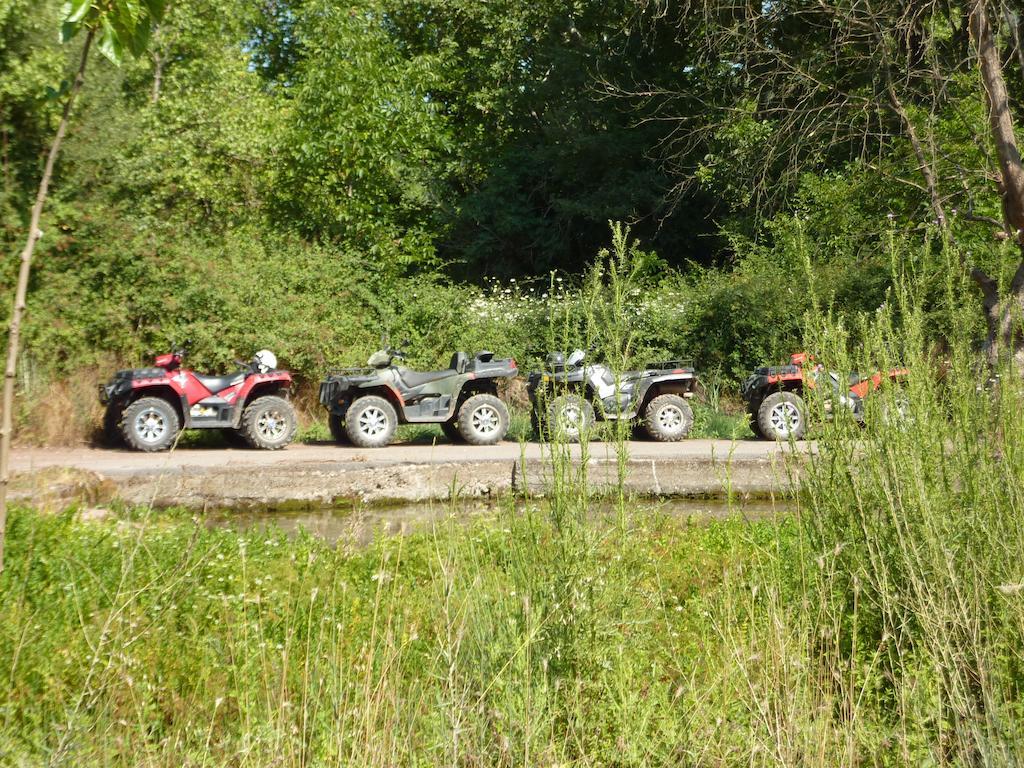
(419, 378)
(609, 378)
(216, 383)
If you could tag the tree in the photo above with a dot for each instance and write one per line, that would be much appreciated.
(115, 26)
(796, 86)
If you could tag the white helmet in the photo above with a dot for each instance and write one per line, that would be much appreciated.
(265, 361)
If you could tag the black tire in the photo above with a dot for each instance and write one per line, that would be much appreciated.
(778, 409)
(336, 424)
(754, 426)
(371, 422)
(668, 418)
(150, 424)
(112, 435)
(234, 438)
(482, 420)
(451, 431)
(569, 418)
(269, 423)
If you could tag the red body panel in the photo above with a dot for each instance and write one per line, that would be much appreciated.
(191, 390)
(861, 389)
(874, 381)
(169, 361)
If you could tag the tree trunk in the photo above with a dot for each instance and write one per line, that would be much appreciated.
(158, 78)
(1016, 23)
(21, 292)
(1004, 314)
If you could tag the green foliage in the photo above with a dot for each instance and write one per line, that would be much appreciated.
(309, 177)
(202, 642)
(365, 141)
(120, 25)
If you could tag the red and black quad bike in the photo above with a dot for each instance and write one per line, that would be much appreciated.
(148, 407)
(775, 396)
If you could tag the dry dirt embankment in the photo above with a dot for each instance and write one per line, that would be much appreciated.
(318, 475)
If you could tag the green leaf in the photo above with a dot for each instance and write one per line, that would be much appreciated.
(110, 44)
(138, 41)
(155, 9)
(68, 31)
(75, 10)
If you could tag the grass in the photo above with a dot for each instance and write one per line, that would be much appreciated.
(882, 623)
(170, 644)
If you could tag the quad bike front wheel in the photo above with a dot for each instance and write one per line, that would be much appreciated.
(569, 418)
(482, 420)
(150, 424)
(269, 423)
(371, 422)
(668, 418)
(783, 416)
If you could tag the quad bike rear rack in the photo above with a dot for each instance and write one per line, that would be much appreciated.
(669, 365)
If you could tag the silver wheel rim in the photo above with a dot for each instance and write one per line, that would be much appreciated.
(485, 420)
(373, 422)
(150, 425)
(897, 412)
(271, 425)
(784, 418)
(571, 419)
(670, 418)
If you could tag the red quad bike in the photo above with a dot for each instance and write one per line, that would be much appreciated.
(775, 395)
(148, 407)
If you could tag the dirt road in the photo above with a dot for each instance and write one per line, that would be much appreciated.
(313, 475)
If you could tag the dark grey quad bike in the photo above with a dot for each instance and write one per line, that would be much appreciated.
(571, 394)
(367, 404)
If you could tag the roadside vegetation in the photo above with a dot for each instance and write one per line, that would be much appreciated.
(877, 619)
(879, 622)
(303, 175)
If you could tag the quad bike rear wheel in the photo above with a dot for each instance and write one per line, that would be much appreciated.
(371, 422)
(783, 416)
(754, 426)
(112, 435)
(482, 420)
(150, 424)
(569, 418)
(668, 418)
(235, 438)
(269, 423)
(451, 430)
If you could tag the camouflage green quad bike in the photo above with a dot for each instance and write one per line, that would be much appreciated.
(367, 404)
